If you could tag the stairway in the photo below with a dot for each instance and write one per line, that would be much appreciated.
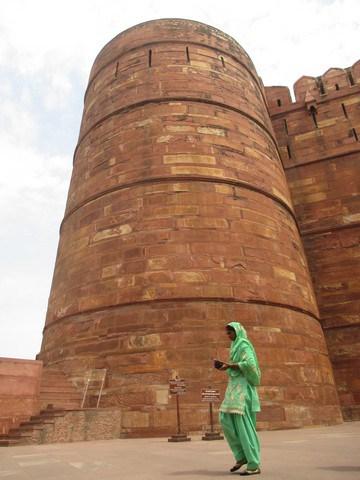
(29, 432)
(57, 395)
(57, 390)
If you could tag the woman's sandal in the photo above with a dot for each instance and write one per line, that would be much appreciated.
(251, 472)
(238, 465)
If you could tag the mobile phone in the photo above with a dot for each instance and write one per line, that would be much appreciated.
(218, 364)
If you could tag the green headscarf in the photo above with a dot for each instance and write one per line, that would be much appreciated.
(240, 341)
(243, 353)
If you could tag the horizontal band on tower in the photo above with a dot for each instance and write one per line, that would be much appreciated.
(185, 299)
(161, 100)
(184, 178)
(178, 42)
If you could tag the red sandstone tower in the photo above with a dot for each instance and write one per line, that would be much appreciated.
(179, 220)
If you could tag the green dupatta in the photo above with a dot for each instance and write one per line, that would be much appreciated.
(242, 382)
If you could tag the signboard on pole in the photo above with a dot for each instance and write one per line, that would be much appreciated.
(177, 386)
(210, 395)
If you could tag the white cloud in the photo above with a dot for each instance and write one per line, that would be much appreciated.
(32, 199)
(58, 90)
(46, 52)
(16, 124)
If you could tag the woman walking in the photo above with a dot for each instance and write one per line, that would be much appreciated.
(241, 401)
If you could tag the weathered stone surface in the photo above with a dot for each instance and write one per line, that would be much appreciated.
(320, 132)
(179, 220)
(77, 426)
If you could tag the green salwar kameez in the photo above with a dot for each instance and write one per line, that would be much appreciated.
(241, 401)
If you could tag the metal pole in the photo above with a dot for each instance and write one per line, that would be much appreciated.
(178, 413)
(85, 392)
(211, 418)
(101, 389)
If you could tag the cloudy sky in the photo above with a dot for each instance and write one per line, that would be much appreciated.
(46, 52)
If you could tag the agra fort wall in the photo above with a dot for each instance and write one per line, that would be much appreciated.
(318, 137)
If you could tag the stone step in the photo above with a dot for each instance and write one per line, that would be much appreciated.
(45, 418)
(53, 371)
(62, 404)
(57, 399)
(54, 375)
(30, 423)
(30, 428)
(23, 438)
(55, 382)
(14, 431)
(57, 388)
(51, 410)
(60, 395)
(68, 406)
(55, 378)
(41, 420)
(54, 405)
(8, 443)
(8, 436)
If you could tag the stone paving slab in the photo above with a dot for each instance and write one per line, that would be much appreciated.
(323, 453)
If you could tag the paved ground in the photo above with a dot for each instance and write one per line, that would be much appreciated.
(317, 453)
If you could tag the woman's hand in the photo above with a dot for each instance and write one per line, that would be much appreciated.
(225, 366)
(230, 365)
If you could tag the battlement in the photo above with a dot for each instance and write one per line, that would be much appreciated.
(332, 80)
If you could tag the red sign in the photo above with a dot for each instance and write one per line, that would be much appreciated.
(210, 395)
(177, 386)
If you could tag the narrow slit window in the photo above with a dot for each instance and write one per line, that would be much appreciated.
(116, 69)
(351, 78)
(286, 127)
(187, 55)
(313, 116)
(354, 134)
(223, 61)
(279, 102)
(288, 150)
(344, 110)
(337, 86)
(150, 55)
(321, 86)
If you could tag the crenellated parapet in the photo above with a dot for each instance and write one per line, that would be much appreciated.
(333, 80)
(322, 122)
